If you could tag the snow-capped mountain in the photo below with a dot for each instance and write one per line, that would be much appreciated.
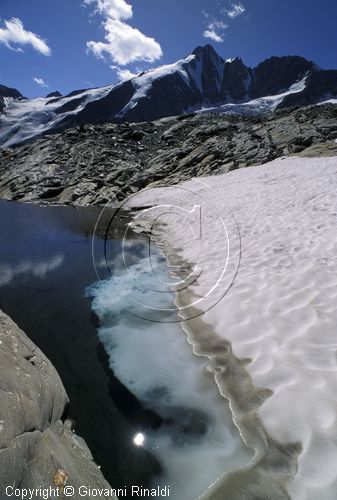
(23, 119)
(203, 81)
(7, 95)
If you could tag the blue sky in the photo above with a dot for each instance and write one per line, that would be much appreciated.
(73, 44)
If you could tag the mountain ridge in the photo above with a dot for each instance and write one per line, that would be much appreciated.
(202, 81)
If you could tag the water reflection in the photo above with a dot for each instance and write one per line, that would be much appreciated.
(139, 439)
(195, 435)
(36, 269)
(45, 266)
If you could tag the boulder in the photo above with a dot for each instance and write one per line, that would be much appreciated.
(37, 447)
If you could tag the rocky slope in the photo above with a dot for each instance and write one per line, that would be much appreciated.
(96, 164)
(37, 445)
(8, 94)
(201, 80)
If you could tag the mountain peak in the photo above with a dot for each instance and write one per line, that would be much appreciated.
(9, 92)
(54, 94)
(235, 61)
(205, 49)
(6, 94)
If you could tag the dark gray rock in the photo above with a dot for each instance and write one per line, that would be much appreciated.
(277, 74)
(54, 94)
(95, 164)
(36, 447)
(8, 92)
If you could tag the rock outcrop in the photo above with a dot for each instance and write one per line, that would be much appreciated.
(53, 94)
(95, 164)
(37, 445)
(7, 93)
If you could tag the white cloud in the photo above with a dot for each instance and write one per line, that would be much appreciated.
(123, 44)
(37, 269)
(40, 82)
(213, 36)
(235, 10)
(116, 9)
(215, 28)
(124, 74)
(15, 33)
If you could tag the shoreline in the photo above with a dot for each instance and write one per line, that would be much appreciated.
(196, 419)
(282, 466)
(244, 399)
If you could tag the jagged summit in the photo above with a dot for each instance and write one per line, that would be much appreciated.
(201, 81)
(279, 73)
(7, 94)
(207, 50)
(54, 94)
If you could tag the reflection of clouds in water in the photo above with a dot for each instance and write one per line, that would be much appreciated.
(37, 269)
(155, 362)
(116, 262)
(119, 260)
